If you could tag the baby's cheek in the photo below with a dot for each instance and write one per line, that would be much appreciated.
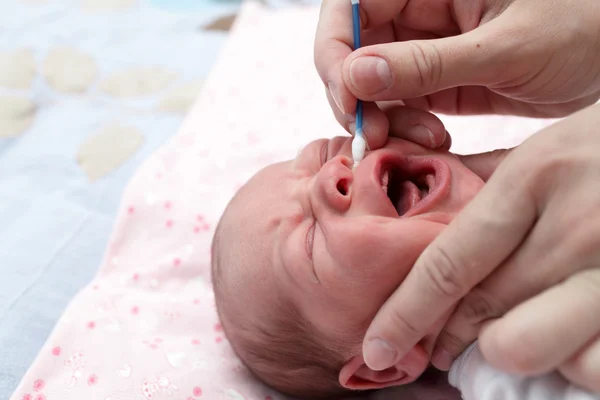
(368, 261)
(390, 266)
(466, 185)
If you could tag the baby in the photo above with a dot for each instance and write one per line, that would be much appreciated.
(308, 251)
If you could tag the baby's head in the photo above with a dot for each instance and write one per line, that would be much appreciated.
(308, 251)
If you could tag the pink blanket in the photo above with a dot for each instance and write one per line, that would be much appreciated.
(146, 327)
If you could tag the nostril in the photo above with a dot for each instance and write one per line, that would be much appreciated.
(342, 187)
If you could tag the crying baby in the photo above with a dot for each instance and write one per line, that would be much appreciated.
(309, 249)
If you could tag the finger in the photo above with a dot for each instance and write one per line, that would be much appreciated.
(343, 119)
(334, 40)
(484, 164)
(447, 141)
(584, 368)
(416, 125)
(375, 123)
(545, 258)
(375, 13)
(471, 247)
(402, 70)
(531, 340)
(500, 104)
(479, 100)
(333, 43)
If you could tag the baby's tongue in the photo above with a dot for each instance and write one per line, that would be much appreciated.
(410, 196)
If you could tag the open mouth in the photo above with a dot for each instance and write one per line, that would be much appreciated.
(407, 187)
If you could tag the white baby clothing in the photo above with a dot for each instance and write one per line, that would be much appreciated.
(476, 379)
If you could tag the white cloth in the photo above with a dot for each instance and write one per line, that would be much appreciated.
(478, 380)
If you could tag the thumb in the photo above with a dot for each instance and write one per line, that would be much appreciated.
(403, 70)
(484, 164)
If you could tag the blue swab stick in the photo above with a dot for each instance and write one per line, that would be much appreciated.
(359, 144)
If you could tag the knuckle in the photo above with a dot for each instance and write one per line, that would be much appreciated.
(551, 167)
(428, 63)
(581, 247)
(554, 162)
(536, 171)
(584, 240)
(478, 306)
(444, 274)
(402, 326)
(454, 343)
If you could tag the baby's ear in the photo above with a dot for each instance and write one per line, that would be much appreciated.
(356, 375)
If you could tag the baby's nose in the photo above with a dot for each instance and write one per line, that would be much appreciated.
(333, 185)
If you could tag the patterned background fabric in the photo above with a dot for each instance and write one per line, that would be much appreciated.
(88, 89)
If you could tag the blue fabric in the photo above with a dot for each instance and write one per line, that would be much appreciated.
(54, 222)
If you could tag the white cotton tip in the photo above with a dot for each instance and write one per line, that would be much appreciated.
(359, 145)
(354, 1)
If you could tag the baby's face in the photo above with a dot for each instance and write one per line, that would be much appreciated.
(338, 241)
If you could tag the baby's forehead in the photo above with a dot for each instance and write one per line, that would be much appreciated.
(244, 261)
(250, 227)
(245, 224)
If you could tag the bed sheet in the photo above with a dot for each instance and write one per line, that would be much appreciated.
(88, 89)
(146, 327)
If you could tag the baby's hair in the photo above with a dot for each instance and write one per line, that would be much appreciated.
(281, 349)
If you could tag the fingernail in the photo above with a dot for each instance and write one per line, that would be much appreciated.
(379, 355)
(447, 141)
(352, 128)
(370, 74)
(336, 96)
(421, 134)
(441, 359)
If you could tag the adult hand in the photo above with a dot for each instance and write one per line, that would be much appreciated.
(397, 120)
(534, 58)
(522, 260)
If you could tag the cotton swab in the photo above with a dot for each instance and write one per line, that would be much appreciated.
(359, 144)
